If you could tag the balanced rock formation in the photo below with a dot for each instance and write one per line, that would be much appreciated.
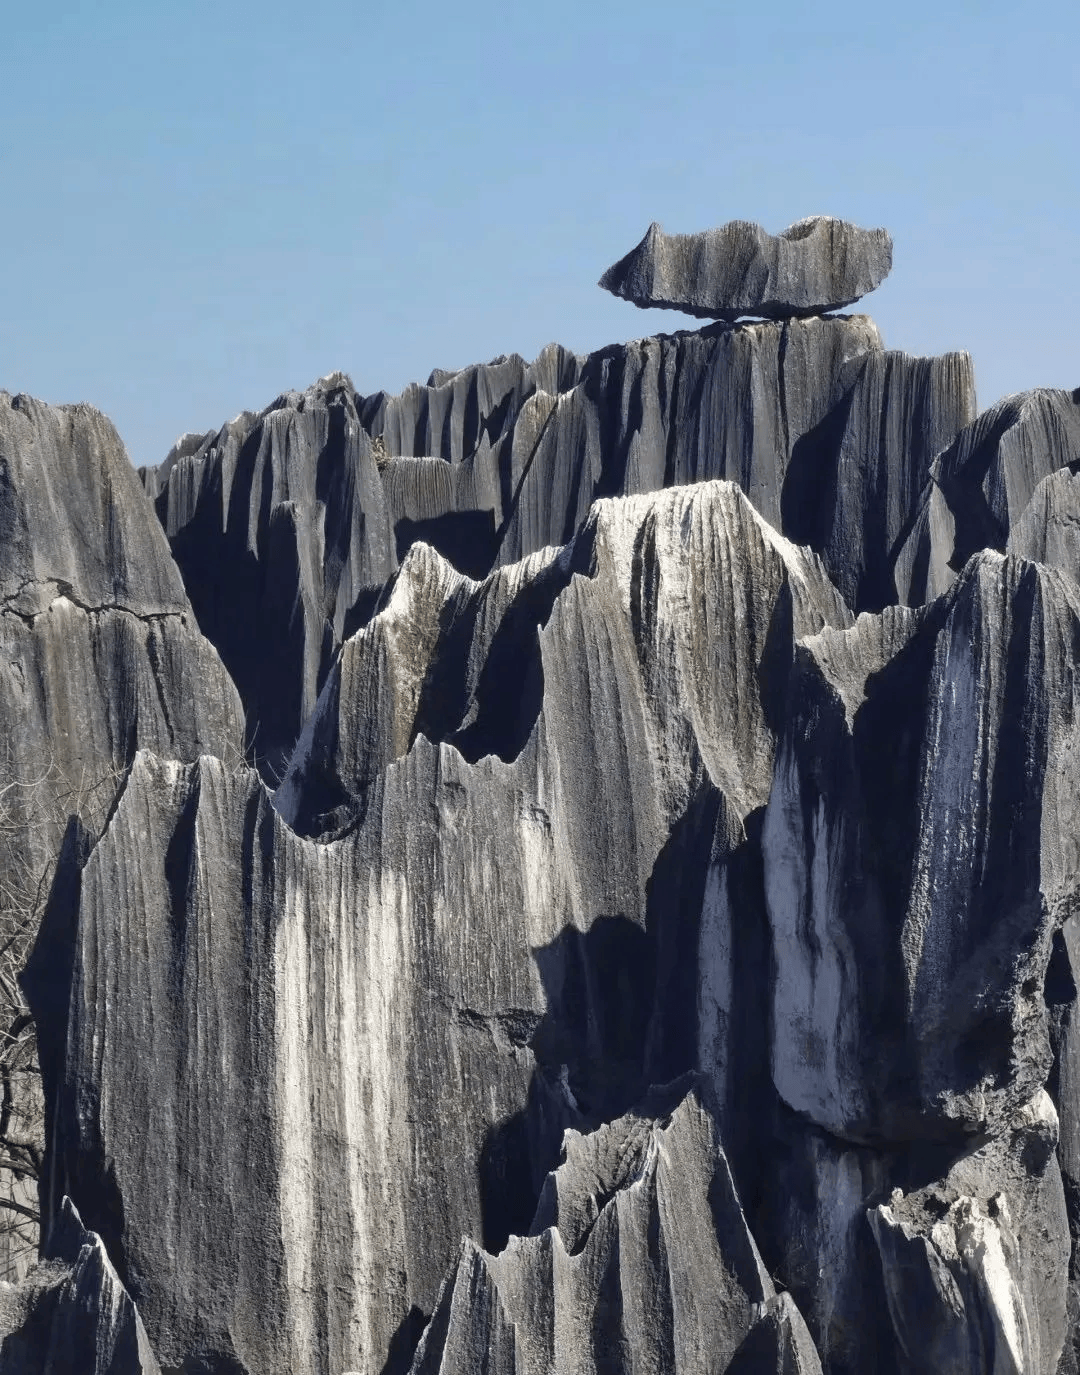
(816, 265)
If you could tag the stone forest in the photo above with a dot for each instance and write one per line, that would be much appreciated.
(571, 868)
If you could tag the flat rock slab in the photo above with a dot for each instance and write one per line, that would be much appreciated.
(817, 264)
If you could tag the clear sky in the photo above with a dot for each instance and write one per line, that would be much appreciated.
(204, 204)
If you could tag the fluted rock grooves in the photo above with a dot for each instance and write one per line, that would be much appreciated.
(643, 932)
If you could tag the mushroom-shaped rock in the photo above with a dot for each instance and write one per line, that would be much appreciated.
(817, 264)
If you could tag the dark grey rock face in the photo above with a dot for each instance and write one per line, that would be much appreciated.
(981, 484)
(99, 655)
(1048, 531)
(975, 1265)
(71, 1313)
(964, 896)
(282, 515)
(488, 923)
(588, 1289)
(815, 265)
(830, 437)
(778, 1341)
(456, 413)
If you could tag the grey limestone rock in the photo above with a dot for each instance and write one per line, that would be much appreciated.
(71, 1312)
(975, 1265)
(639, 1259)
(481, 920)
(99, 655)
(619, 762)
(457, 411)
(982, 483)
(830, 437)
(279, 524)
(911, 954)
(815, 265)
(72, 517)
(1048, 531)
(778, 1342)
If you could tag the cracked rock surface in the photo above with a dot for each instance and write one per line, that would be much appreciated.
(99, 655)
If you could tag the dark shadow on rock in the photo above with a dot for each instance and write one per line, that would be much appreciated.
(590, 1059)
(516, 1157)
(808, 496)
(467, 539)
(618, 426)
(675, 894)
(976, 525)
(404, 1342)
(362, 610)
(621, 1015)
(510, 693)
(600, 986)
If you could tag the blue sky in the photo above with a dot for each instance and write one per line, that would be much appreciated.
(206, 204)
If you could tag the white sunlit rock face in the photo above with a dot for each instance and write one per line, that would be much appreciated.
(658, 948)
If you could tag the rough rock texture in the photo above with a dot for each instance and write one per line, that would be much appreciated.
(456, 413)
(778, 1342)
(982, 484)
(279, 524)
(699, 713)
(99, 655)
(297, 515)
(815, 265)
(71, 1313)
(911, 955)
(1049, 529)
(99, 651)
(639, 1258)
(975, 1264)
(488, 923)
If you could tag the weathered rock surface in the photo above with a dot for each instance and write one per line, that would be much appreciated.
(982, 483)
(975, 1265)
(639, 1259)
(99, 651)
(911, 955)
(778, 1341)
(71, 1313)
(279, 524)
(456, 413)
(99, 655)
(1048, 531)
(511, 931)
(599, 784)
(815, 265)
(299, 515)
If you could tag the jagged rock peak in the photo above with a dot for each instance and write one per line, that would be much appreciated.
(584, 1291)
(72, 1312)
(816, 264)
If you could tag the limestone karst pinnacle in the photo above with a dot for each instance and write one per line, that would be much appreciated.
(587, 872)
